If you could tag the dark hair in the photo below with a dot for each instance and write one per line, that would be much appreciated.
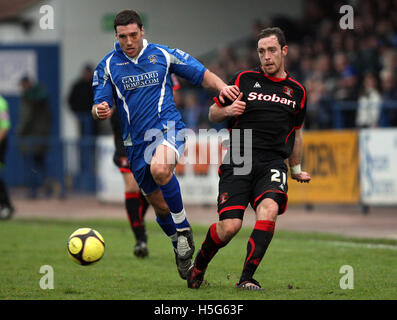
(276, 31)
(126, 17)
(25, 78)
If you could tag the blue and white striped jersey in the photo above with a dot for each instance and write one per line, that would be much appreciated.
(142, 87)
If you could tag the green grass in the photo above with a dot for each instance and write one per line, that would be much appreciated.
(296, 266)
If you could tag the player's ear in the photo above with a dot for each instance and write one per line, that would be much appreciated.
(284, 50)
(143, 31)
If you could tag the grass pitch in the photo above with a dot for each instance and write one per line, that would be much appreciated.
(299, 266)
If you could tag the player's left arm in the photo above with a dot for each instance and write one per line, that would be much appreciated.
(196, 73)
(296, 155)
(212, 81)
(295, 159)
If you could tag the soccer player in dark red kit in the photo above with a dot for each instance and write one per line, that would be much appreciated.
(271, 106)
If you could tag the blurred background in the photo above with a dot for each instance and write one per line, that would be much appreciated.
(48, 50)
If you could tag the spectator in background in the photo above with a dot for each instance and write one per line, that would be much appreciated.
(33, 131)
(346, 89)
(389, 97)
(293, 61)
(6, 208)
(369, 103)
(192, 113)
(80, 101)
(329, 60)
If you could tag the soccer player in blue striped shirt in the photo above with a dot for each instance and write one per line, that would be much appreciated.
(135, 78)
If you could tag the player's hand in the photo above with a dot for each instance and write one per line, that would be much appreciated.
(237, 107)
(302, 177)
(229, 92)
(103, 111)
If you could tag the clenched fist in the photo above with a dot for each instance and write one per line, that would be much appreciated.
(102, 111)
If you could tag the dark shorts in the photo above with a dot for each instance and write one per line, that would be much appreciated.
(266, 180)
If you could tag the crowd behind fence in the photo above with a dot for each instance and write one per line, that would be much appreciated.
(350, 77)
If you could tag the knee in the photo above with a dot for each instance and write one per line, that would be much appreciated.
(267, 210)
(161, 173)
(228, 229)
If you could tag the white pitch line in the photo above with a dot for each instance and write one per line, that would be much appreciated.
(358, 245)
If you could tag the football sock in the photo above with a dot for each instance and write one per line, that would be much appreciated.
(144, 204)
(135, 211)
(172, 196)
(257, 245)
(209, 248)
(168, 226)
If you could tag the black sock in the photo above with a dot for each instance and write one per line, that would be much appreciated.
(144, 204)
(135, 211)
(209, 248)
(257, 245)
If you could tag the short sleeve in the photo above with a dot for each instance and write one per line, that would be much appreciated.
(300, 116)
(185, 66)
(101, 85)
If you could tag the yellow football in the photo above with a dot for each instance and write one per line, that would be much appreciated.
(86, 246)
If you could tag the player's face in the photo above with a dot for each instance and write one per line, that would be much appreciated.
(131, 39)
(272, 55)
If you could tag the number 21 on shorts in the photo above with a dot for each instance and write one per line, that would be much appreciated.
(276, 176)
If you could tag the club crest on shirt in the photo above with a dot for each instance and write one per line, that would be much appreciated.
(288, 91)
(153, 59)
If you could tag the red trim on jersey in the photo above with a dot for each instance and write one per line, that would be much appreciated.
(217, 102)
(286, 139)
(294, 128)
(231, 208)
(299, 127)
(274, 78)
(265, 225)
(237, 82)
(304, 92)
(125, 170)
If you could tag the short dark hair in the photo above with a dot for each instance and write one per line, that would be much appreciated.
(276, 31)
(126, 17)
(25, 79)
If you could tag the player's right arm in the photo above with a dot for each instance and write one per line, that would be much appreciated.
(101, 111)
(219, 114)
(103, 92)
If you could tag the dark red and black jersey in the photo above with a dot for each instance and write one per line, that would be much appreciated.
(275, 109)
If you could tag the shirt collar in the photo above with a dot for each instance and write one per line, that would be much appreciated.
(134, 60)
(274, 78)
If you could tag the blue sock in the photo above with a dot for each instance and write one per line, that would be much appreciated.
(168, 226)
(172, 196)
